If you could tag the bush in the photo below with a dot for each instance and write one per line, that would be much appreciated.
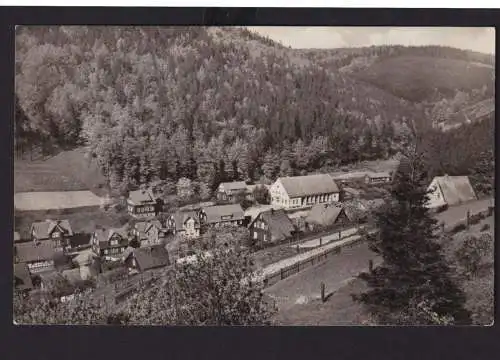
(474, 219)
(485, 227)
(112, 276)
(442, 208)
(458, 228)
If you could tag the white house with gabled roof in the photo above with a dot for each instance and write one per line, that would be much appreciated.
(303, 191)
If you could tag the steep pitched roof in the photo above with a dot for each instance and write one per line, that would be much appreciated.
(308, 185)
(455, 189)
(348, 175)
(138, 197)
(254, 211)
(216, 213)
(180, 217)
(151, 257)
(144, 226)
(22, 277)
(381, 174)
(325, 214)
(104, 236)
(30, 252)
(43, 229)
(234, 185)
(279, 224)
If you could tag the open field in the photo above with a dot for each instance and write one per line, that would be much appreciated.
(33, 201)
(458, 213)
(416, 77)
(299, 300)
(339, 309)
(68, 170)
(335, 273)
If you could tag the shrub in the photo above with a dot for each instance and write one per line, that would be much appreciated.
(458, 228)
(485, 227)
(442, 208)
(474, 219)
(111, 276)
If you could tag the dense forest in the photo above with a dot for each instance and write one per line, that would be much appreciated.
(200, 103)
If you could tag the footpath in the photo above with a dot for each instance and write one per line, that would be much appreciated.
(276, 268)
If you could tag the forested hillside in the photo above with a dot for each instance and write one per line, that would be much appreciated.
(443, 80)
(202, 103)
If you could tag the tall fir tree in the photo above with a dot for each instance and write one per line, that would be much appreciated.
(414, 274)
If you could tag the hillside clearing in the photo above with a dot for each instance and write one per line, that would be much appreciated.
(55, 200)
(67, 171)
(415, 78)
(299, 301)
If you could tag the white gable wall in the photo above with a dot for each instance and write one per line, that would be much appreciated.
(279, 196)
(436, 198)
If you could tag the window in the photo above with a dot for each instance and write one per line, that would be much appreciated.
(255, 234)
(55, 234)
(106, 251)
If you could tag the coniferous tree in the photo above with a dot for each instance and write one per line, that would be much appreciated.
(414, 274)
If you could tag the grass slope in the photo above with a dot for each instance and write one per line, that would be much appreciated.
(66, 171)
(416, 78)
(340, 309)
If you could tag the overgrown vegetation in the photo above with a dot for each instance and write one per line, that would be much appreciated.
(213, 290)
(415, 285)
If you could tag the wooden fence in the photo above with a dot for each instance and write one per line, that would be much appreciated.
(306, 263)
(473, 218)
(323, 256)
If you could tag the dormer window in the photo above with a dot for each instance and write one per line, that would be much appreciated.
(56, 234)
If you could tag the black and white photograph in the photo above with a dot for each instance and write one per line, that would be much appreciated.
(253, 176)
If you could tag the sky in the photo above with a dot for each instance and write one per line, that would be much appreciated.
(480, 39)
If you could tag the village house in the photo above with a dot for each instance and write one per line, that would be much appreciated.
(110, 242)
(142, 204)
(302, 191)
(147, 258)
(229, 191)
(149, 232)
(39, 257)
(186, 223)
(271, 226)
(450, 190)
(219, 215)
(57, 231)
(22, 278)
(253, 211)
(373, 178)
(327, 216)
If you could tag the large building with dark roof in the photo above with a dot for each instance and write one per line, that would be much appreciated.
(147, 258)
(57, 231)
(39, 257)
(271, 226)
(218, 215)
(302, 191)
